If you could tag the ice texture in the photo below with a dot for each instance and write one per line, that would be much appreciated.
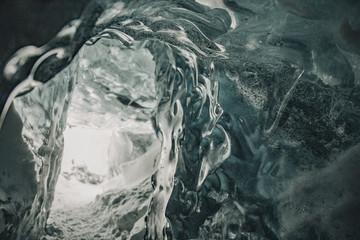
(18, 178)
(255, 105)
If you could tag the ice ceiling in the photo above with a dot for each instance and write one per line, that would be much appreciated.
(215, 120)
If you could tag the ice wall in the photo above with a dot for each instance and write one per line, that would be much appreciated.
(257, 108)
(18, 178)
(44, 113)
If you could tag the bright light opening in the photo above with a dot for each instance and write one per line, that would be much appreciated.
(110, 144)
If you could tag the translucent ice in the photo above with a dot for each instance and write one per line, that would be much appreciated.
(246, 113)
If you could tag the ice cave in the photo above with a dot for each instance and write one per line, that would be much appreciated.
(180, 119)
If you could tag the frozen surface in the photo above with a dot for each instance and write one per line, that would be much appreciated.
(109, 155)
(252, 105)
(85, 203)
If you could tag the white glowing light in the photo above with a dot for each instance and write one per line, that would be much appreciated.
(88, 147)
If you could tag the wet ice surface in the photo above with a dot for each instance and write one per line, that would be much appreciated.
(110, 148)
(91, 201)
(255, 103)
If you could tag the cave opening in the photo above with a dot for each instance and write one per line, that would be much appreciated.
(110, 144)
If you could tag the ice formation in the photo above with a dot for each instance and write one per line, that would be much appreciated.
(221, 120)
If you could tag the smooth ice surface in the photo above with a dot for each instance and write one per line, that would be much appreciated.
(116, 87)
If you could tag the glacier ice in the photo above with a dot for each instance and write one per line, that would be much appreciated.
(224, 120)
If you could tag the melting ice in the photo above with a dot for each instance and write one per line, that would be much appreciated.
(186, 120)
